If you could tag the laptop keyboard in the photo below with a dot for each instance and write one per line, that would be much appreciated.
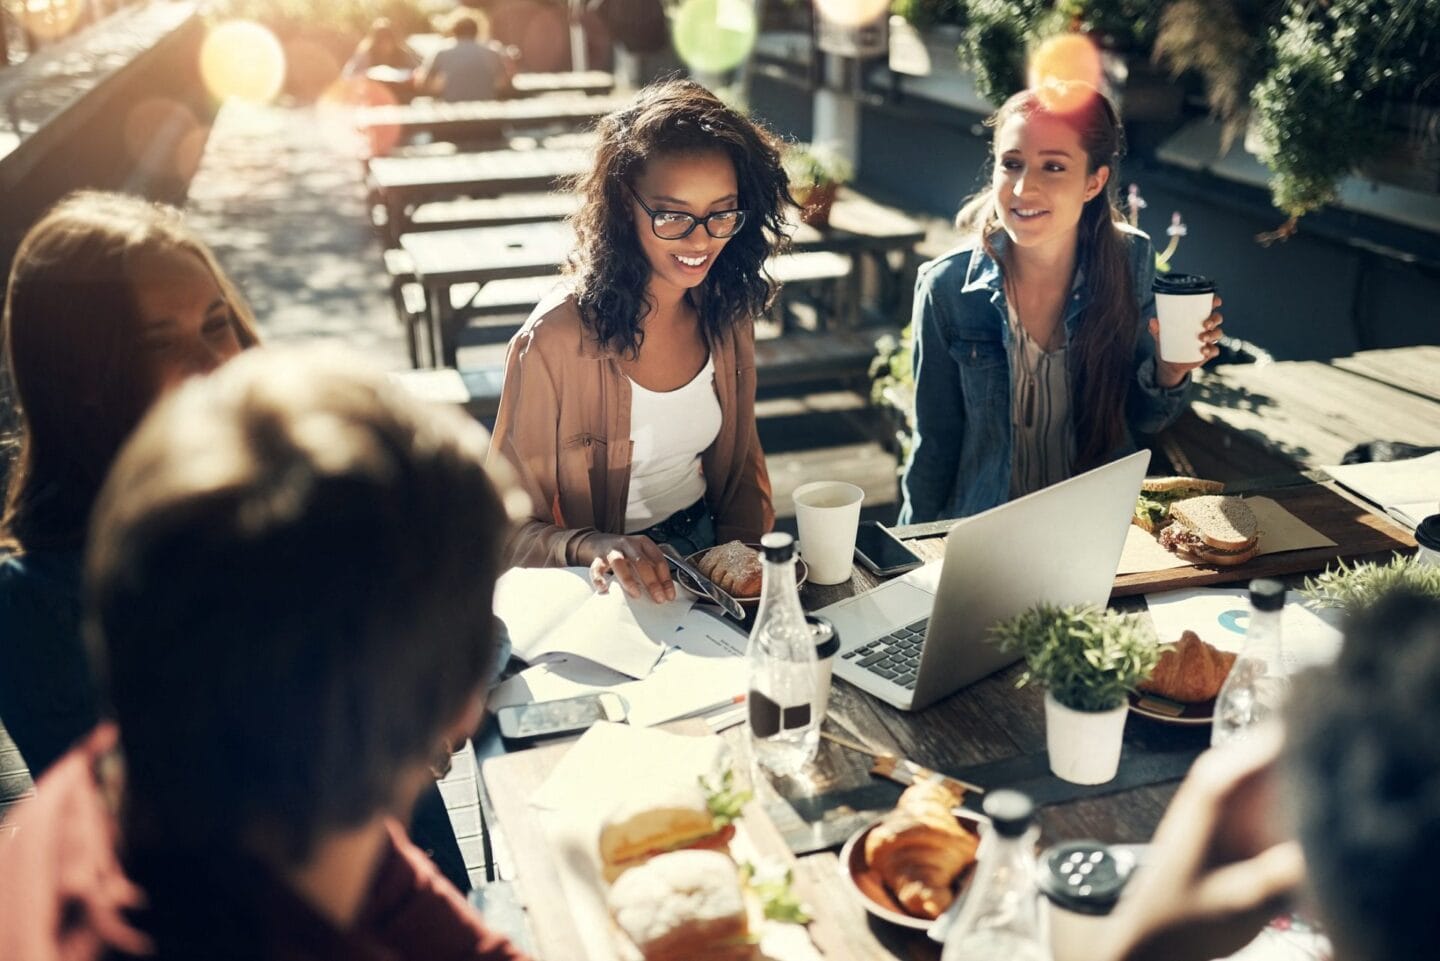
(896, 656)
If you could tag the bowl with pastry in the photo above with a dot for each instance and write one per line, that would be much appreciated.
(910, 865)
(1183, 687)
(734, 566)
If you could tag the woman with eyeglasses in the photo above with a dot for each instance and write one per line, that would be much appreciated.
(628, 407)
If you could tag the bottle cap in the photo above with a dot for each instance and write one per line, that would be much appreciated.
(1267, 594)
(778, 546)
(1082, 876)
(1010, 812)
(1427, 535)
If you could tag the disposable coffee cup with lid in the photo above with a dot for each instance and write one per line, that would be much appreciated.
(1182, 303)
(1427, 535)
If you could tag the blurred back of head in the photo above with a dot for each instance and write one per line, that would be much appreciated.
(289, 586)
(1364, 763)
(469, 25)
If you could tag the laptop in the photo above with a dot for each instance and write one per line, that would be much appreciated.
(918, 638)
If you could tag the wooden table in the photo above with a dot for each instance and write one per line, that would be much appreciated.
(1312, 412)
(404, 181)
(990, 721)
(481, 119)
(479, 255)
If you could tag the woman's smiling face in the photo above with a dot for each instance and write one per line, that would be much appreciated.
(1041, 181)
(697, 184)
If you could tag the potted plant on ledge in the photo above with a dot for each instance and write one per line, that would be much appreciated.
(1088, 660)
(816, 172)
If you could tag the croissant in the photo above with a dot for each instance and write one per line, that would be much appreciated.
(735, 567)
(1192, 671)
(919, 849)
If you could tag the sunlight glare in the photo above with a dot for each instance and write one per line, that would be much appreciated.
(240, 58)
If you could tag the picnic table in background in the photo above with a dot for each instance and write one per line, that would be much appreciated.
(481, 119)
(443, 259)
(402, 182)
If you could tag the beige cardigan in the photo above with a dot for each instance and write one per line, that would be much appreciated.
(564, 424)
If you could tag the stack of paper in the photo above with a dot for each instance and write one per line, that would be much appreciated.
(1408, 490)
(667, 660)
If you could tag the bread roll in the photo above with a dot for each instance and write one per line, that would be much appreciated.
(735, 567)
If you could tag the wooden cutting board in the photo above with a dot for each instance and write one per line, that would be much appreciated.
(1358, 533)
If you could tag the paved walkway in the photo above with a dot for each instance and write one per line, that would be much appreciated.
(279, 198)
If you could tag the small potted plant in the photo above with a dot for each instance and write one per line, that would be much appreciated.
(1089, 660)
(816, 172)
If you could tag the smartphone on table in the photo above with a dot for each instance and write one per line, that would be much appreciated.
(523, 724)
(881, 552)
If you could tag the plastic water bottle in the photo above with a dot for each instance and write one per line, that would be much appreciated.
(1257, 684)
(784, 722)
(1000, 919)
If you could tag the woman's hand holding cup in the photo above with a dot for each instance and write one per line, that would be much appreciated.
(1175, 355)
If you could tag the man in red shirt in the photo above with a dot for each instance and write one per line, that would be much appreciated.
(288, 589)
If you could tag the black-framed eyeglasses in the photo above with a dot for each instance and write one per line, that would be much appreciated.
(677, 225)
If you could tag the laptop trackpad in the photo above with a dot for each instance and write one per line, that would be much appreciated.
(863, 618)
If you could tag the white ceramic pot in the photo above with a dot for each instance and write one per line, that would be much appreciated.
(1084, 745)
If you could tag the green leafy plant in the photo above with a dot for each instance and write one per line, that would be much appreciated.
(724, 800)
(1354, 588)
(815, 165)
(892, 385)
(777, 896)
(1087, 657)
(924, 14)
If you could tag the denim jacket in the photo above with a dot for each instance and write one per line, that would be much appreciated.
(961, 458)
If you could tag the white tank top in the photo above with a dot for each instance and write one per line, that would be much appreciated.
(670, 430)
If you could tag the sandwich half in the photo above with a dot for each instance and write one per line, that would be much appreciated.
(1152, 507)
(661, 820)
(684, 906)
(1212, 530)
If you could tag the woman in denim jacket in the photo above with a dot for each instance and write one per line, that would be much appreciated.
(1030, 363)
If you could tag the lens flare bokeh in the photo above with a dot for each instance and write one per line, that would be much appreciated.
(48, 19)
(713, 36)
(852, 13)
(240, 58)
(1065, 72)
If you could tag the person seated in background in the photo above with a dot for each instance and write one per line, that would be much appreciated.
(112, 301)
(288, 591)
(1346, 813)
(470, 67)
(381, 46)
(628, 406)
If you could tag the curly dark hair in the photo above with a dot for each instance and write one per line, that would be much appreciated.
(609, 270)
(1363, 761)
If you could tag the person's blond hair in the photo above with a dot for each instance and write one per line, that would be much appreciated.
(71, 336)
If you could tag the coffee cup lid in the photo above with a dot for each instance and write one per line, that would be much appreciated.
(1182, 284)
(827, 639)
(1427, 535)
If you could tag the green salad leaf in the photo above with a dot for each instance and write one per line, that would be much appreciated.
(725, 801)
(777, 896)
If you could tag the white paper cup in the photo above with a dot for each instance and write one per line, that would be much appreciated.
(828, 513)
(1182, 302)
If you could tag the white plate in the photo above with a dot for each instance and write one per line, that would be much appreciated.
(801, 573)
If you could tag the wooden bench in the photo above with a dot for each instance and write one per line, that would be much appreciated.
(794, 360)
